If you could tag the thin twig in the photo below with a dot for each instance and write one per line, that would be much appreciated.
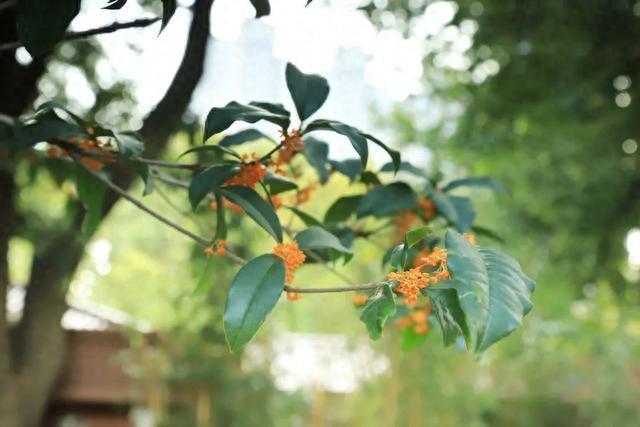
(92, 32)
(232, 256)
(355, 288)
(165, 164)
(270, 153)
(235, 258)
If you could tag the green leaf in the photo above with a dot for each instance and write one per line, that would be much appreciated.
(205, 281)
(256, 207)
(457, 210)
(220, 119)
(209, 180)
(482, 231)
(350, 167)
(241, 137)
(412, 340)
(445, 305)
(379, 307)
(358, 141)
(168, 9)
(398, 257)
(91, 193)
(272, 107)
(254, 292)
(42, 23)
(304, 217)
(415, 236)
(26, 136)
(216, 149)
(316, 237)
(386, 200)
(317, 154)
(221, 222)
(129, 144)
(394, 154)
(404, 167)
(369, 178)
(115, 5)
(494, 292)
(147, 178)
(342, 209)
(278, 184)
(55, 105)
(308, 91)
(262, 7)
(480, 181)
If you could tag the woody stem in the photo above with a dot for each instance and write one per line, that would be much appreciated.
(232, 256)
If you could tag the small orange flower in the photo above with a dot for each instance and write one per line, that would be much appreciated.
(471, 238)
(421, 328)
(227, 204)
(418, 319)
(249, 175)
(90, 131)
(403, 221)
(421, 257)
(359, 299)
(277, 202)
(92, 163)
(409, 283)
(404, 321)
(293, 141)
(303, 195)
(293, 296)
(53, 152)
(292, 256)
(428, 208)
(218, 248)
(291, 144)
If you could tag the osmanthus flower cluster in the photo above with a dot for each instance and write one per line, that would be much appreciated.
(432, 277)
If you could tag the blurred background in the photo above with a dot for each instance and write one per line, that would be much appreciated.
(542, 95)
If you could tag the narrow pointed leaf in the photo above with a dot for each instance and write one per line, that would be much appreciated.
(358, 141)
(386, 200)
(479, 181)
(316, 237)
(220, 119)
(241, 137)
(394, 154)
(168, 9)
(342, 209)
(256, 207)
(91, 193)
(215, 149)
(317, 154)
(209, 180)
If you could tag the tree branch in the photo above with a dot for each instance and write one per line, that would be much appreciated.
(116, 26)
(354, 288)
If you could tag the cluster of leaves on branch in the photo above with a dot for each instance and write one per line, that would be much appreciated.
(435, 273)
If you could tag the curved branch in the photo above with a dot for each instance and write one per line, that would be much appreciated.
(116, 26)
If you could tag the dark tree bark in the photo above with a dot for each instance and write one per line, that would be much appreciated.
(32, 354)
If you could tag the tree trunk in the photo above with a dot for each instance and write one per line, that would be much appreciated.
(32, 354)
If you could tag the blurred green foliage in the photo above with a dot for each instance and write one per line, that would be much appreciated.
(550, 127)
